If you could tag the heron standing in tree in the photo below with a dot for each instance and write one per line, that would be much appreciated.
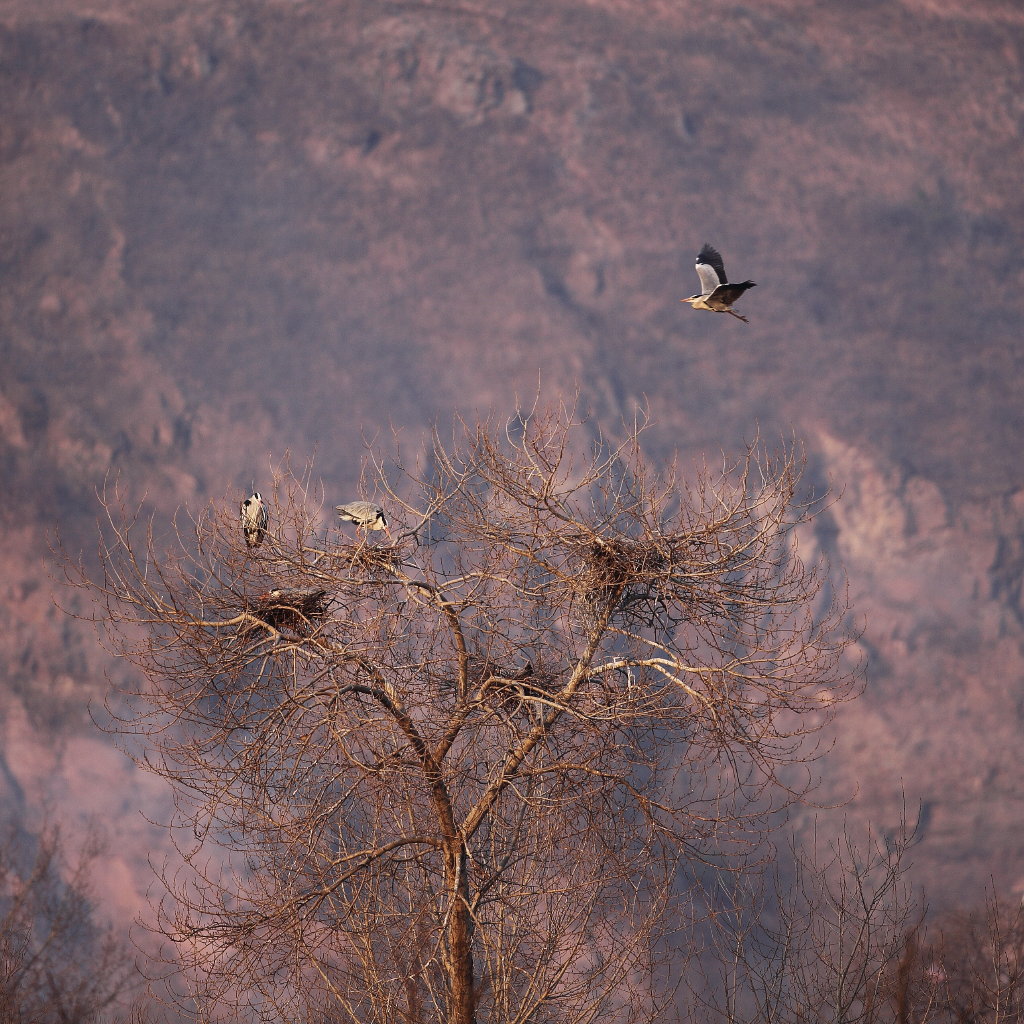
(364, 514)
(716, 294)
(253, 513)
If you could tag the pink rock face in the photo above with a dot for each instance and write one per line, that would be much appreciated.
(231, 236)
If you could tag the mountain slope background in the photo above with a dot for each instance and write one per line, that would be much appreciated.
(236, 229)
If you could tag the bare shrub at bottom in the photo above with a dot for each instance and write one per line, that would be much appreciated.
(58, 963)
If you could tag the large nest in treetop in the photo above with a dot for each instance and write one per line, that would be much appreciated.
(292, 608)
(622, 573)
(368, 557)
(611, 563)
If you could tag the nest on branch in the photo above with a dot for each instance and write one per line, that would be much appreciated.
(506, 687)
(632, 577)
(368, 557)
(295, 609)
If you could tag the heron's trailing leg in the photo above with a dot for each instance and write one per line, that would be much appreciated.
(739, 316)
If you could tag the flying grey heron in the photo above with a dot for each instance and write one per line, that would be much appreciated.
(716, 294)
(364, 514)
(253, 514)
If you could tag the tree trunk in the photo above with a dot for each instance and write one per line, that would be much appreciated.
(460, 942)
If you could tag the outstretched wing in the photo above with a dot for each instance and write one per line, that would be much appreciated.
(710, 269)
(731, 292)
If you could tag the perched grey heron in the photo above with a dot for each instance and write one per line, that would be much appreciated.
(716, 294)
(253, 514)
(364, 514)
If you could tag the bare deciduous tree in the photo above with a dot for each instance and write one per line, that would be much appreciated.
(58, 964)
(466, 775)
(821, 937)
(966, 968)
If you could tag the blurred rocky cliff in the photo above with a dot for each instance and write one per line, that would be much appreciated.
(235, 228)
